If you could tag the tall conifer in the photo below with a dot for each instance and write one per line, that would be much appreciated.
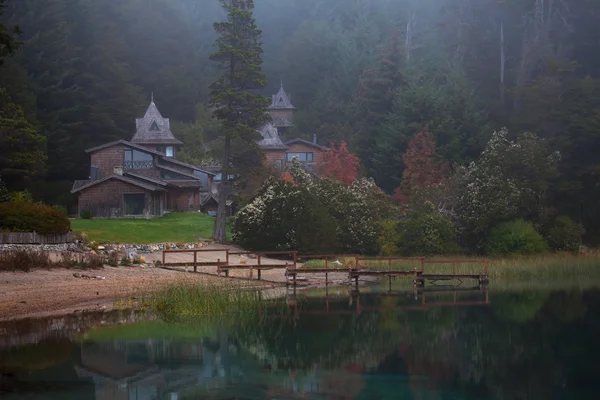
(240, 109)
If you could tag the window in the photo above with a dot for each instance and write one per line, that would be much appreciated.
(94, 172)
(278, 164)
(302, 157)
(203, 178)
(160, 149)
(135, 159)
(219, 176)
(154, 127)
(169, 151)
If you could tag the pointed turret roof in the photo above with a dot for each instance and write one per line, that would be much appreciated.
(281, 100)
(153, 128)
(270, 138)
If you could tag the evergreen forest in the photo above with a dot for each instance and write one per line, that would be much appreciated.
(468, 75)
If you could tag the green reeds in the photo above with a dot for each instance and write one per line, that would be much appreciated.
(190, 301)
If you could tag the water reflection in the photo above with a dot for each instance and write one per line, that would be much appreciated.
(426, 344)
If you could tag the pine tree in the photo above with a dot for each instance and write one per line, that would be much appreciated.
(23, 154)
(237, 106)
(8, 41)
(375, 98)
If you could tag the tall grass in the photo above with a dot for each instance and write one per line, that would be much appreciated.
(546, 266)
(216, 300)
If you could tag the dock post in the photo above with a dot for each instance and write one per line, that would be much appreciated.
(326, 283)
(195, 261)
(259, 274)
(390, 282)
(163, 256)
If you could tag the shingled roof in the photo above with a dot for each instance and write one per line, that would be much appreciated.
(270, 138)
(281, 101)
(154, 129)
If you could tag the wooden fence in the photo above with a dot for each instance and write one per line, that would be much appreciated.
(34, 238)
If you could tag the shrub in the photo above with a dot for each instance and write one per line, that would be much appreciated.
(86, 214)
(32, 217)
(427, 232)
(515, 238)
(62, 209)
(564, 234)
(24, 196)
(285, 217)
(389, 237)
(4, 194)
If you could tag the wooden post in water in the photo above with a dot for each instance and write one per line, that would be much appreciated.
(195, 261)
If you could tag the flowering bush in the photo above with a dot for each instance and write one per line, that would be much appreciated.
(312, 215)
(285, 217)
(509, 180)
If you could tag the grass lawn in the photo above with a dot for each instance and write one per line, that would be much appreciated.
(176, 227)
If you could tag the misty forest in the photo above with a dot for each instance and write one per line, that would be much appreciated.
(498, 99)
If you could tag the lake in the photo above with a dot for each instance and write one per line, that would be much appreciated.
(379, 344)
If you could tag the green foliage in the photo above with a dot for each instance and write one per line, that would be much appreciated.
(389, 237)
(286, 217)
(4, 193)
(63, 210)
(426, 232)
(8, 41)
(348, 221)
(233, 95)
(516, 237)
(509, 180)
(23, 196)
(23, 153)
(32, 217)
(195, 135)
(564, 234)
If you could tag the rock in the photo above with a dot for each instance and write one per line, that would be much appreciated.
(77, 275)
(142, 260)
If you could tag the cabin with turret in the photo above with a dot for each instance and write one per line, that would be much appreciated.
(279, 153)
(142, 177)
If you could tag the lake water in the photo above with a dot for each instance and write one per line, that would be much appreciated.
(528, 344)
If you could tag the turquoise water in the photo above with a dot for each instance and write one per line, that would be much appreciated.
(530, 344)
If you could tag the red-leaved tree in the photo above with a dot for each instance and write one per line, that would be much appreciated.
(424, 173)
(340, 165)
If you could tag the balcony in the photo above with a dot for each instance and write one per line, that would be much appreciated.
(145, 164)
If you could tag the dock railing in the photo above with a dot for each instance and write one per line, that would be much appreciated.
(195, 263)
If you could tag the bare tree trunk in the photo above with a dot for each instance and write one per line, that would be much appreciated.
(409, 29)
(220, 233)
(502, 64)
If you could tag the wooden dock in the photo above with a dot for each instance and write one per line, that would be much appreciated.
(359, 269)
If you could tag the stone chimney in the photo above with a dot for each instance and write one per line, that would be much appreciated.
(314, 138)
